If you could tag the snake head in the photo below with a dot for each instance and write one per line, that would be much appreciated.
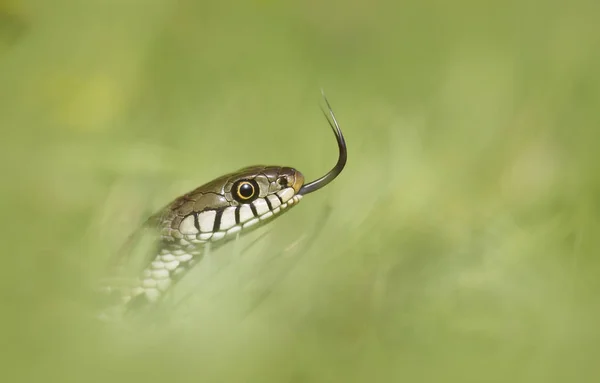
(232, 203)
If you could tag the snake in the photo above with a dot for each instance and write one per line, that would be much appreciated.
(216, 213)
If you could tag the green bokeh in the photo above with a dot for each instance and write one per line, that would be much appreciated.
(460, 244)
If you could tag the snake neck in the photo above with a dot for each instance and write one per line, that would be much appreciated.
(180, 249)
(169, 265)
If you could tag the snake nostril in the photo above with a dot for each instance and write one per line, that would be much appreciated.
(283, 182)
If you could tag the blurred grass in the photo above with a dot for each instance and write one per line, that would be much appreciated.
(461, 242)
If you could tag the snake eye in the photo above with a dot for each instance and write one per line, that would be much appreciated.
(245, 191)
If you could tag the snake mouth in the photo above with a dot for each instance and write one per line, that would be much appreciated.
(343, 154)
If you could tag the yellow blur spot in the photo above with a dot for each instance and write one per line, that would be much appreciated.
(10, 7)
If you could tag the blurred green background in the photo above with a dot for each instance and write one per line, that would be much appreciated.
(460, 244)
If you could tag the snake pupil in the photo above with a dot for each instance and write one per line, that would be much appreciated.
(246, 190)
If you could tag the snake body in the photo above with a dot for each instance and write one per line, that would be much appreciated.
(217, 212)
